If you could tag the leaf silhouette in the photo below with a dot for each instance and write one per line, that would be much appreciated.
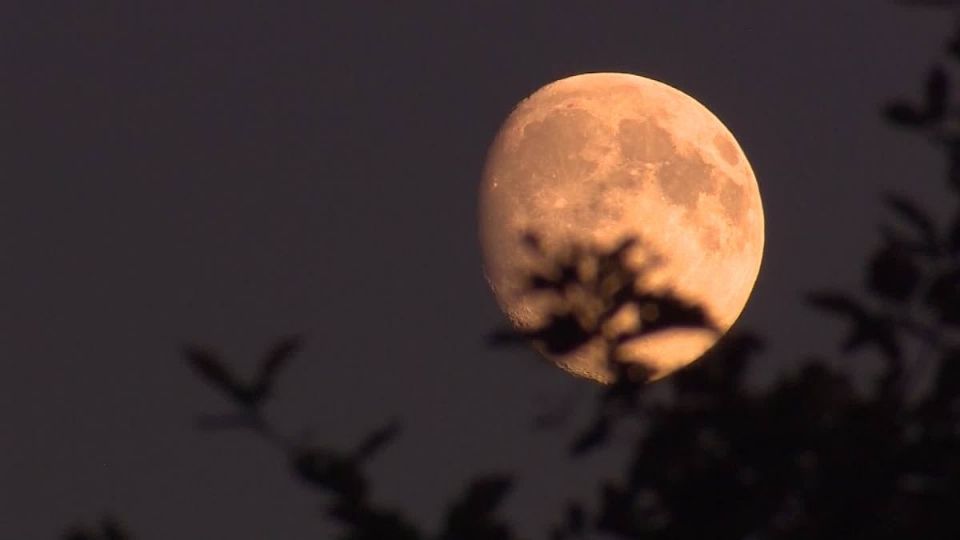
(904, 114)
(330, 470)
(617, 513)
(720, 371)
(936, 93)
(594, 436)
(892, 273)
(953, 164)
(471, 516)
(589, 298)
(555, 416)
(953, 46)
(943, 296)
(866, 327)
(209, 366)
(953, 238)
(212, 370)
(376, 441)
(576, 519)
(274, 362)
(112, 530)
(663, 311)
(533, 243)
(364, 521)
(565, 275)
(947, 385)
(367, 523)
(917, 218)
(627, 384)
(561, 335)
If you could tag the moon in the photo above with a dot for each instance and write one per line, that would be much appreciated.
(595, 158)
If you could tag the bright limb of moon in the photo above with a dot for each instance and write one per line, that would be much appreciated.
(598, 157)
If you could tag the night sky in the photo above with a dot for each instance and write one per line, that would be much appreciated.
(231, 173)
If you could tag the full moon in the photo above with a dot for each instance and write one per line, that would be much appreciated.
(596, 158)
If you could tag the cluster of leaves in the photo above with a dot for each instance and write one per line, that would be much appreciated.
(811, 457)
(913, 277)
(589, 287)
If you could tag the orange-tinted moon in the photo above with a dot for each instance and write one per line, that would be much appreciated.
(595, 158)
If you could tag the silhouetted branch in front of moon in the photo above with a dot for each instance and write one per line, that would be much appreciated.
(563, 334)
(660, 312)
(810, 447)
(811, 456)
(592, 286)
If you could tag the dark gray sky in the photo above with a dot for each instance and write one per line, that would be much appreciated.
(230, 173)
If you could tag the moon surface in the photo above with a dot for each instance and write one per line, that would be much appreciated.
(595, 158)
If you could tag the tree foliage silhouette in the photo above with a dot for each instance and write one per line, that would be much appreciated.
(249, 395)
(808, 457)
(338, 475)
(589, 287)
(811, 457)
